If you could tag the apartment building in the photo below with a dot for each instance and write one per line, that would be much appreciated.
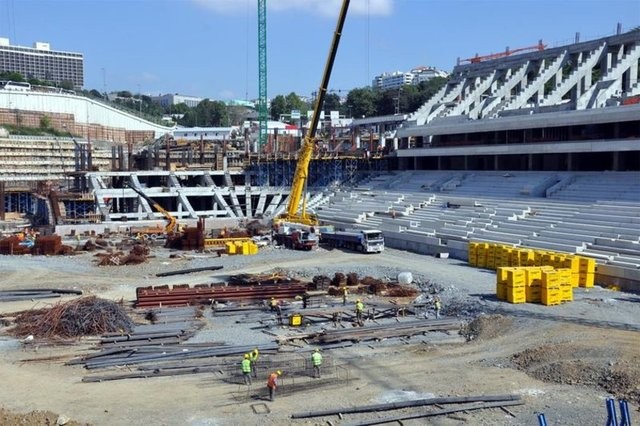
(42, 63)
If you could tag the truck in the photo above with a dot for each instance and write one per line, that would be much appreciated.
(296, 238)
(363, 240)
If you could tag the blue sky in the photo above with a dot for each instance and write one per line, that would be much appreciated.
(208, 48)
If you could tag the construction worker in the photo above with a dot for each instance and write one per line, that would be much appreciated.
(359, 311)
(316, 360)
(275, 307)
(437, 305)
(253, 357)
(246, 370)
(344, 295)
(272, 384)
(274, 304)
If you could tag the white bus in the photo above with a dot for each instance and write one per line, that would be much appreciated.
(20, 86)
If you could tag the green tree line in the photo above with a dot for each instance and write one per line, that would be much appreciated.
(360, 102)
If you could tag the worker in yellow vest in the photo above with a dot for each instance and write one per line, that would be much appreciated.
(253, 357)
(359, 311)
(316, 360)
(246, 370)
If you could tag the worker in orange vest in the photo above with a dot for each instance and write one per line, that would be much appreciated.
(272, 384)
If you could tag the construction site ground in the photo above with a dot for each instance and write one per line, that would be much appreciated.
(564, 361)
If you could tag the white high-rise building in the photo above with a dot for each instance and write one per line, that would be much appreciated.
(397, 79)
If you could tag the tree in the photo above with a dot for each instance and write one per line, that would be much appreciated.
(294, 102)
(363, 102)
(278, 107)
(207, 114)
(67, 84)
(11, 76)
(95, 94)
(45, 122)
(331, 103)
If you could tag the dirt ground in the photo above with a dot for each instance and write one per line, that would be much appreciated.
(564, 361)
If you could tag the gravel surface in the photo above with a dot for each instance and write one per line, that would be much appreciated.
(533, 350)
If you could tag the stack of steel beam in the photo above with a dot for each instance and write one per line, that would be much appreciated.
(183, 295)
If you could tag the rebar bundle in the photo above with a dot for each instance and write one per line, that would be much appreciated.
(81, 317)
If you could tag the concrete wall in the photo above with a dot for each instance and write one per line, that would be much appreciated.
(84, 110)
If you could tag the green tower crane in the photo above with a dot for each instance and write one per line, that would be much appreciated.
(262, 72)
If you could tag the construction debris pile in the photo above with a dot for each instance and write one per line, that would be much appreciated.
(86, 316)
(365, 285)
(138, 254)
(48, 245)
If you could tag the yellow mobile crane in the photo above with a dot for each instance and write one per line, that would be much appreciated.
(299, 183)
(170, 227)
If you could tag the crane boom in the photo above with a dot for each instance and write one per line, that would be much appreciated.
(306, 151)
(170, 227)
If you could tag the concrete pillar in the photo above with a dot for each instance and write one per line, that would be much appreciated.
(570, 162)
(358, 142)
(632, 76)
(466, 162)
(439, 162)
(496, 162)
(615, 166)
(530, 162)
(395, 144)
(382, 142)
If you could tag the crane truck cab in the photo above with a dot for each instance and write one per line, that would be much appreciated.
(295, 236)
(363, 240)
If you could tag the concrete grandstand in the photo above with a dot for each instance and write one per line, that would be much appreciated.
(536, 150)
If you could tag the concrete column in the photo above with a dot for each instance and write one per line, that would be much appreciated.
(607, 63)
(530, 162)
(358, 142)
(632, 76)
(466, 162)
(615, 166)
(382, 142)
(395, 144)
(496, 163)
(439, 163)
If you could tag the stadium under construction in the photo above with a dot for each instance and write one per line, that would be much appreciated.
(538, 149)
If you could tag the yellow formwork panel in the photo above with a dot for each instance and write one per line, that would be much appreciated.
(516, 277)
(564, 276)
(533, 275)
(550, 296)
(573, 263)
(230, 247)
(575, 280)
(516, 295)
(586, 280)
(549, 279)
(501, 291)
(587, 265)
(501, 273)
(533, 294)
(566, 294)
(526, 257)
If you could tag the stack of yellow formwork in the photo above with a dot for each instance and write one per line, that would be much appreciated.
(587, 270)
(241, 247)
(550, 288)
(493, 256)
(512, 285)
(534, 281)
(564, 281)
(534, 284)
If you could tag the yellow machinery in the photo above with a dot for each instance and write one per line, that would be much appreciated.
(299, 183)
(170, 227)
